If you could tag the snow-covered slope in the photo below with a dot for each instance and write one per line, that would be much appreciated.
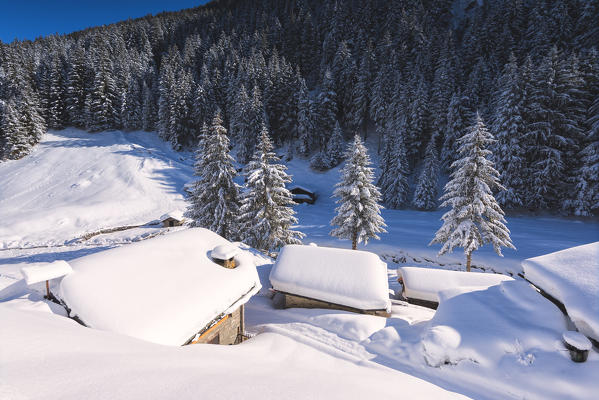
(572, 277)
(48, 356)
(76, 182)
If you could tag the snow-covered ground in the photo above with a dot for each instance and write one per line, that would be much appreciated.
(75, 183)
(496, 343)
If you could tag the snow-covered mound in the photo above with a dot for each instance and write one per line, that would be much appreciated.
(427, 283)
(572, 277)
(162, 290)
(514, 332)
(351, 278)
(48, 356)
(76, 182)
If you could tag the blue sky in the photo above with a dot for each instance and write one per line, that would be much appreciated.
(28, 19)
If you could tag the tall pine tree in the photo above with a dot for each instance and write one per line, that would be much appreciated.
(358, 214)
(266, 212)
(475, 218)
(215, 196)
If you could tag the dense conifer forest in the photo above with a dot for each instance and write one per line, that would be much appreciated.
(315, 73)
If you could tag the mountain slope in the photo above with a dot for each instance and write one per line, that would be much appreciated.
(75, 182)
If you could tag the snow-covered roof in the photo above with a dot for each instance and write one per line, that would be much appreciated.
(224, 252)
(427, 283)
(572, 277)
(162, 290)
(45, 272)
(176, 214)
(351, 278)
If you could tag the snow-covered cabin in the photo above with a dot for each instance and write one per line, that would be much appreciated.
(165, 290)
(423, 286)
(302, 195)
(324, 277)
(570, 277)
(173, 218)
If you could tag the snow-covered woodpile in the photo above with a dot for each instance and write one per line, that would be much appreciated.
(324, 277)
(165, 290)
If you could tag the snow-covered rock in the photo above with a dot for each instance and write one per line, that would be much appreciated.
(427, 283)
(162, 290)
(351, 278)
(572, 277)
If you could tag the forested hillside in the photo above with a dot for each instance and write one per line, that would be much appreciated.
(316, 72)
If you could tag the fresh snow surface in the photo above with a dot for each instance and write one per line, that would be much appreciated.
(76, 182)
(572, 277)
(163, 290)
(351, 278)
(44, 272)
(296, 353)
(224, 252)
(48, 356)
(427, 283)
(514, 334)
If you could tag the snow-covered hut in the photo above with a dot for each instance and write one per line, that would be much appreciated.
(173, 218)
(302, 195)
(324, 277)
(165, 290)
(571, 278)
(423, 286)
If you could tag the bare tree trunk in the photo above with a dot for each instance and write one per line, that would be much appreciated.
(354, 240)
(468, 261)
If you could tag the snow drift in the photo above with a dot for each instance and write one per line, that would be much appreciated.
(572, 277)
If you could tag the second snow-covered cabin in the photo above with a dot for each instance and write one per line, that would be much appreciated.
(165, 290)
(324, 277)
(422, 286)
(173, 218)
(302, 195)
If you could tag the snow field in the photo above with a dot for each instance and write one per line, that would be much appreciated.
(509, 337)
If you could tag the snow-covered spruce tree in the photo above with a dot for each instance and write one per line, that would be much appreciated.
(215, 198)
(395, 188)
(335, 147)
(509, 128)
(458, 119)
(266, 215)
(304, 119)
(358, 214)
(327, 109)
(16, 141)
(254, 118)
(425, 195)
(475, 218)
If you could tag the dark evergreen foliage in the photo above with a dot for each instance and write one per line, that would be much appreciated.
(402, 66)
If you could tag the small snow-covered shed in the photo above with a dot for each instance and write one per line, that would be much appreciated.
(165, 290)
(422, 286)
(570, 277)
(302, 195)
(324, 277)
(173, 218)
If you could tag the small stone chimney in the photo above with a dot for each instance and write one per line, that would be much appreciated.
(224, 255)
